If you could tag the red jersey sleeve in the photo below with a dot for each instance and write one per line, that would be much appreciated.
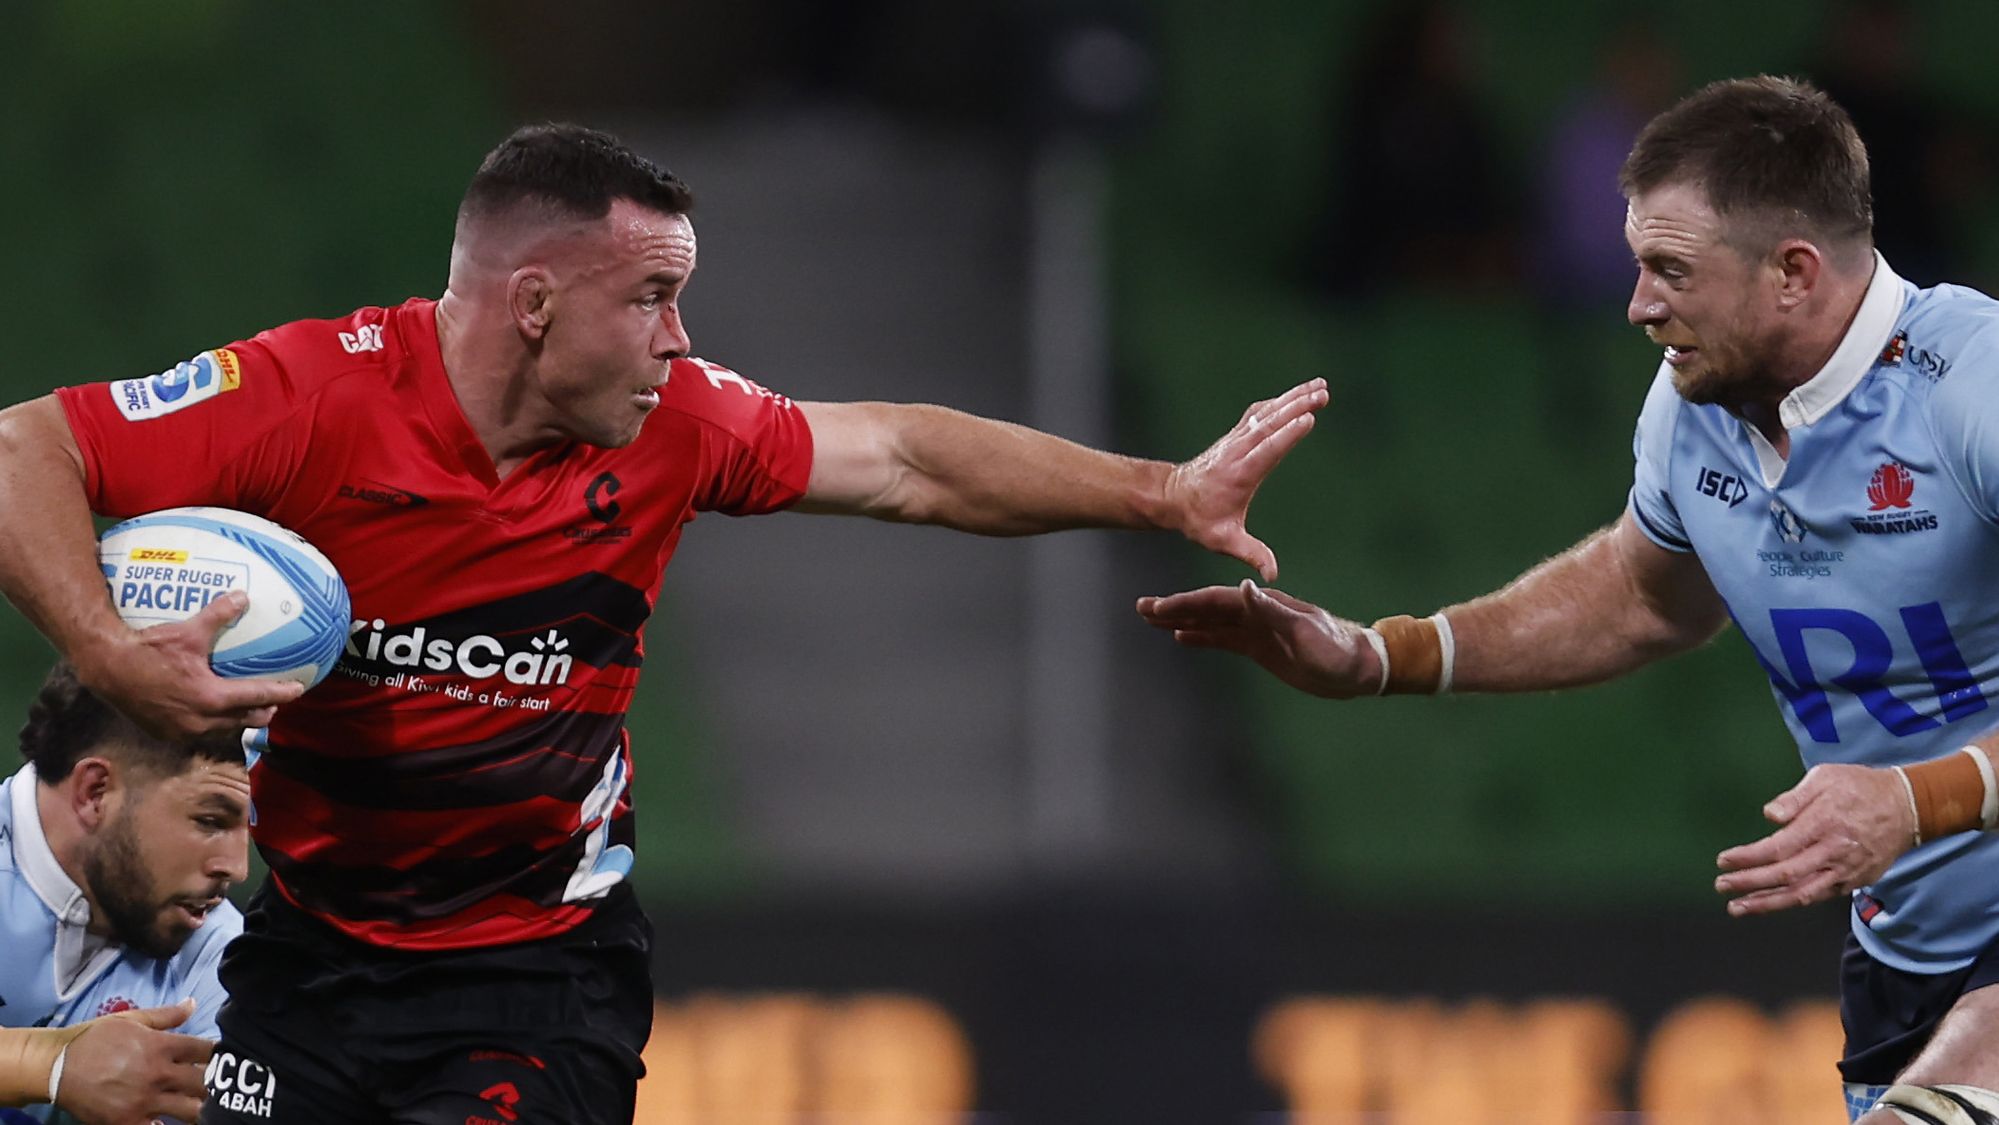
(211, 430)
(757, 447)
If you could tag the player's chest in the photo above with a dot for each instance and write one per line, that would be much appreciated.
(403, 523)
(1870, 516)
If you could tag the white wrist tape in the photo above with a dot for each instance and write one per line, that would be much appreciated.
(1915, 813)
(55, 1074)
(1988, 811)
(1380, 655)
(1449, 642)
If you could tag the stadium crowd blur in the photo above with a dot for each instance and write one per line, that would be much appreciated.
(1417, 200)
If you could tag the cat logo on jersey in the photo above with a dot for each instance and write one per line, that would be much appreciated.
(199, 379)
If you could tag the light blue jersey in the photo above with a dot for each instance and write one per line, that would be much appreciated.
(1864, 571)
(54, 972)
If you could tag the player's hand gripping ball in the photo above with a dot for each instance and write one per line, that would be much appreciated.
(167, 565)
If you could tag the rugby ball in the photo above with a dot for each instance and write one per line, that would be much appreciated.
(166, 565)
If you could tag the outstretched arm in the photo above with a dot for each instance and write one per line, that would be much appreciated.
(48, 569)
(927, 464)
(1612, 603)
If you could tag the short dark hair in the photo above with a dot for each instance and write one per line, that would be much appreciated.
(66, 723)
(571, 172)
(1776, 157)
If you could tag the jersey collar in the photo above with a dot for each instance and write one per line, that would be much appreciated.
(1856, 354)
(79, 955)
(35, 860)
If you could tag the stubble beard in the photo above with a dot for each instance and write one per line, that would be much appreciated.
(119, 881)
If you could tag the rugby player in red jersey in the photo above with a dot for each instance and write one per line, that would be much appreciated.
(501, 476)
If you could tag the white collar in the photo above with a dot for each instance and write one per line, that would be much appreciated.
(36, 860)
(1856, 355)
(79, 954)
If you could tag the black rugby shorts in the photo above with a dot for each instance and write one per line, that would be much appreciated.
(323, 1030)
(1890, 1014)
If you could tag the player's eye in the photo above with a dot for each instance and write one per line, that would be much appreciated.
(650, 302)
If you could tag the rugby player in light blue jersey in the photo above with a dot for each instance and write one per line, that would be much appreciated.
(115, 851)
(1818, 459)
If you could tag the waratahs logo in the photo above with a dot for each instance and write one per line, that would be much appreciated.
(1891, 487)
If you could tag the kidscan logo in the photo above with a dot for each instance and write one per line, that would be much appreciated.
(543, 660)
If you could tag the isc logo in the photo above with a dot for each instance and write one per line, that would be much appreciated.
(1728, 489)
(1957, 693)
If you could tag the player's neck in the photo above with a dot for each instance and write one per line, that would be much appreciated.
(1802, 359)
(487, 385)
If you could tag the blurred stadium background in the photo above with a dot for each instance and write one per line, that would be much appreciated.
(933, 822)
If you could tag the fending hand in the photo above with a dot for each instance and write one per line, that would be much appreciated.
(1209, 495)
(1298, 642)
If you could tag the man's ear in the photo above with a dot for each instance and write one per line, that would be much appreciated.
(531, 301)
(1800, 266)
(96, 788)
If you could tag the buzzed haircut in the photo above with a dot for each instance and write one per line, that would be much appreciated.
(564, 171)
(66, 723)
(1776, 157)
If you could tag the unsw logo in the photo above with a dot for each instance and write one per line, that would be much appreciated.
(1920, 360)
(543, 660)
(1891, 487)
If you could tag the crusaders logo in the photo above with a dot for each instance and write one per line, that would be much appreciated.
(1891, 487)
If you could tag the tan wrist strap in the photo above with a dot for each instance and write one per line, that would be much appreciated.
(1952, 794)
(28, 1059)
(1415, 655)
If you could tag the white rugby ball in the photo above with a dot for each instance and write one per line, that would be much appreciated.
(166, 565)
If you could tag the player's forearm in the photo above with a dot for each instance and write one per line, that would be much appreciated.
(1590, 614)
(48, 552)
(996, 478)
(27, 1057)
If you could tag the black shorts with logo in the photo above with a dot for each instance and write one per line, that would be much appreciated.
(324, 1030)
(1890, 1013)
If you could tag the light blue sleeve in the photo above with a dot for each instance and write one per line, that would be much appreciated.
(1652, 448)
(1964, 415)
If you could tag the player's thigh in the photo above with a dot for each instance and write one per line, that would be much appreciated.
(570, 1084)
(1961, 1051)
(273, 1084)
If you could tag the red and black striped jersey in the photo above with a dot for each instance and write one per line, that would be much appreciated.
(461, 779)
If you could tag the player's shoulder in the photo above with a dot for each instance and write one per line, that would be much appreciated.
(372, 338)
(1944, 331)
(707, 391)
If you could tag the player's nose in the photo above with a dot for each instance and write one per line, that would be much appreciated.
(1646, 308)
(669, 340)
